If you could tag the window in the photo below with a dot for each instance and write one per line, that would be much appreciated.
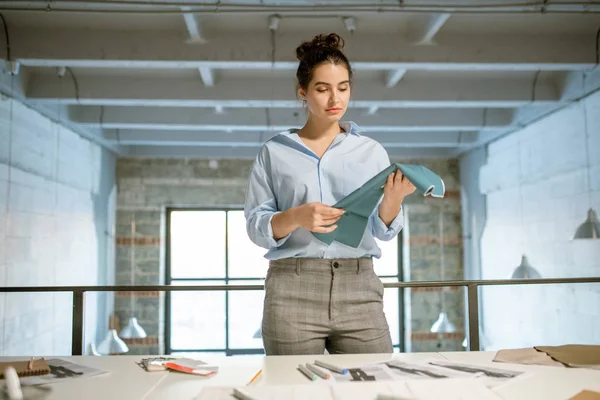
(211, 247)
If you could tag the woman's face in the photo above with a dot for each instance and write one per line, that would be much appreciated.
(328, 92)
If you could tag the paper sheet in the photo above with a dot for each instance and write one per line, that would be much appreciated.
(422, 380)
(396, 370)
(447, 389)
(451, 389)
(215, 393)
(370, 390)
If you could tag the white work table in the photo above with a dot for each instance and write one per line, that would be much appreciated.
(126, 380)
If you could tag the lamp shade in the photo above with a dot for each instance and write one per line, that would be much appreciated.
(112, 344)
(132, 330)
(257, 334)
(484, 342)
(590, 228)
(443, 324)
(525, 270)
(93, 351)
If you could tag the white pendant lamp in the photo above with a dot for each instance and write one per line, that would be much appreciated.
(443, 323)
(132, 330)
(590, 228)
(525, 270)
(112, 344)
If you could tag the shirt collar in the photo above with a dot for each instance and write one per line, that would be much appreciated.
(351, 127)
(348, 126)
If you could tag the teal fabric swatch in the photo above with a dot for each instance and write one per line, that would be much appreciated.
(362, 202)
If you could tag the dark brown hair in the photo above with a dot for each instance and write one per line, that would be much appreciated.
(323, 48)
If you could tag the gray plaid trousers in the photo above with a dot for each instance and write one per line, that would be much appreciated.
(315, 304)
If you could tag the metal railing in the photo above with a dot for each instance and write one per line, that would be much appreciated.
(472, 297)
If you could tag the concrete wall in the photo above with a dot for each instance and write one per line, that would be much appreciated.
(539, 183)
(147, 186)
(55, 191)
(473, 220)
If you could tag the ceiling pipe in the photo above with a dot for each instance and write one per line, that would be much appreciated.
(164, 7)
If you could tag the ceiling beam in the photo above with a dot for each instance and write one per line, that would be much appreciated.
(426, 26)
(394, 76)
(577, 84)
(253, 120)
(192, 26)
(207, 76)
(291, 8)
(164, 49)
(434, 92)
(14, 86)
(372, 110)
(251, 152)
(250, 139)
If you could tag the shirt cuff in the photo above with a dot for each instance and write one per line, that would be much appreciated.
(382, 231)
(269, 233)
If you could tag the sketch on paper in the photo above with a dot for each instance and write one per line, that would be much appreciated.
(403, 370)
(62, 370)
(492, 376)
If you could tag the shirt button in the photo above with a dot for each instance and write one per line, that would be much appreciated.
(336, 264)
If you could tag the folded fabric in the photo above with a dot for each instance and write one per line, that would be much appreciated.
(360, 203)
(425, 180)
(586, 395)
(527, 356)
(574, 355)
(571, 355)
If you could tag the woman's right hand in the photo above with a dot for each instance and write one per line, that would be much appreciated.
(317, 217)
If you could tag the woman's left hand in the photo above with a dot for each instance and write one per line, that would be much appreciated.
(397, 188)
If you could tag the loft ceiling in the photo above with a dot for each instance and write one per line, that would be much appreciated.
(201, 79)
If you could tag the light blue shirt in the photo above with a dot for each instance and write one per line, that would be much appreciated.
(286, 174)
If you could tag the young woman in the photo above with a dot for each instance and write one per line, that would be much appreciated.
(320, 296)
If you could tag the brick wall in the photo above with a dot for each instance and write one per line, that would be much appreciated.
(147, 186)
(539, 183)
(424, 260)
(54, 216)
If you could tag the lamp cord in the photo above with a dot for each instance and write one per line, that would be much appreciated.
(132, 272)
(597, 47)
(8, 39)
(8, 186)
(588, 166)
(75, 83)
(533, 86)
(442, 258)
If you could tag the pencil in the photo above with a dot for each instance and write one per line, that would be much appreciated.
(331, 367)
(255, 377)
(317, 371)
(308, 373)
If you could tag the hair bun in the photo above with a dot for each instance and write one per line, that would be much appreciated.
(333, 41)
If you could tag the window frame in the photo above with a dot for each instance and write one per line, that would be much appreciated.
(248, 351)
